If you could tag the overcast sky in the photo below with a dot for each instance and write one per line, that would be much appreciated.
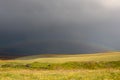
(94, 22)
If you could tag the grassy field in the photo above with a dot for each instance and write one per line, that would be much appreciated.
(22, 74)
(99, 66)
(61, 58)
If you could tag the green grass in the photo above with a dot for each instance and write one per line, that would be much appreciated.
(100, 66)
(63, 66)
(22, 74)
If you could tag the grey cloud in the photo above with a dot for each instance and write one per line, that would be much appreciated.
(82, 21)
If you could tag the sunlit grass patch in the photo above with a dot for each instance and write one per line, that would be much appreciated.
(103, 74)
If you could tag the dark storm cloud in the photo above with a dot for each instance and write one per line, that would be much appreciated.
(81, 21)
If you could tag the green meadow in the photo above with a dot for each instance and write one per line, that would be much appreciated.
(98, 66)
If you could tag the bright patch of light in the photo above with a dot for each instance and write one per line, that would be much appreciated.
(111, 3)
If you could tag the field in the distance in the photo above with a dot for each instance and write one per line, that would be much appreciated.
(99, 66)
(60, 58)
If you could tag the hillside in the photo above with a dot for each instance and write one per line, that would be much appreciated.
(99, 66)
(55, 58)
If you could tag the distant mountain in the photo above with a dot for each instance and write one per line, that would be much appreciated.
(33, 48)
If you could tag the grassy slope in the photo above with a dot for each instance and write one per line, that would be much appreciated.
(108, 73)
(61, 58)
